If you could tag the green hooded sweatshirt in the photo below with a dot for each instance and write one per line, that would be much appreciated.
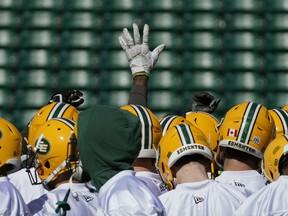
(109, 140)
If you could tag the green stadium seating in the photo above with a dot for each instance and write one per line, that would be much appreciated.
(119, 20)
(276, 100)
(113, 60)
(163, 21)
(162, 5)
(38, 78)
(201, 41)
(110, 39)
(162, 100)
(276, 61)
(249, 61)
(78, 79)
(243, 22)
(252, 6)
(165, 79)
(201, 61)
(115, 79)
(116, 98)
(276, 22)
(7, 78)
(39, 39)
(202, 5)
(78, 59)
(202, 80)
(83, 5)
(37, 58)
(80, 40)
(243, 81)
(31, 98)
(8, 58)
(7, 99)
(21, 117)
(276, 82)
(276, 41)
(121, 5)
(9, 39)
(276, 5)
(196, 21)
(81, 20)
(10, 4)
(168, 60)
(90, 98)
(9, 19)
(172, 40)
(40, 20)
(242, 41)
(43, 4)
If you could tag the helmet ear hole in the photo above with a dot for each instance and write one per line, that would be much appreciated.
(47, 164)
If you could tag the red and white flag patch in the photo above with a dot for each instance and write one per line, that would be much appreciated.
(232, 132)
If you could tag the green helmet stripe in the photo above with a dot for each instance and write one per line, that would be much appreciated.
(166, 122)
(185, 134)
(283, 116)
(58, 110)
(70, 123)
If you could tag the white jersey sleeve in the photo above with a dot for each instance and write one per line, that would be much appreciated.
(271, 200)
(12, 202)
(202, 198)
(125, 194)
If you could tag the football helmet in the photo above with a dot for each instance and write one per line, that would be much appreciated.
(208, 124)
(55, 148)
(151, 130)
(274, 156)
(10, 146)
(49, 111)
(246, 127)
(168, 121)
(179, 141)
(280, 117)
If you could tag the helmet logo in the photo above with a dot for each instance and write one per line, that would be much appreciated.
(232, 132)
(256, 139)
(43, 146)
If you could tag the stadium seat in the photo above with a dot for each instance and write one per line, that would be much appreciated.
(78, 79)
(276, 100)
(37, 58)
(7, 99)
(276, 41)
(172, 40)
(276, 82)
(201, 21)
(78, 59)
(168, 60)
(39, 39)
(8, 58)
(276, 22)
(201, 61)
(21, 117)
(243, 22)
(9, 38)
(253, 6)
(121, 5)
(7, 78)
(35, 79)
(83, 5)
(10, 4)
(202, 80)
(249, 61)
(110, 39)
(114, 98)
(201, 5)
(201, 41)
(81, 20)
(31, 98)
(162, 100)
(162, 5)
(80, 39)
(115, 79)
(165, 79)
(113, 60)
(276, 6)
(243, 81)
(9, 19)
(119, 20)
(276, 61)
(40, 20)
(242, 41)
(43, 4)
(163, 21)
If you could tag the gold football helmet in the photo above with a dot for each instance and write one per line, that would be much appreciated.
(280, 117)
(55, 148)
(151, 130)
(168, 121)
(179, 141)
(49, 111)
(274, 156)
(10, 146)
(246, 127)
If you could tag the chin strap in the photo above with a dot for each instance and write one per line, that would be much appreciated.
(63, 205)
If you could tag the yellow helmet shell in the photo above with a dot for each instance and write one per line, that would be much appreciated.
(280, 117)
(169, 121)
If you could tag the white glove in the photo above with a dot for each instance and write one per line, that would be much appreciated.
(141, 59)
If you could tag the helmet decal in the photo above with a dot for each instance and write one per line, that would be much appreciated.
(166, 122)
(57, 110)
(283, 117)
(249, 119)
(185, 134)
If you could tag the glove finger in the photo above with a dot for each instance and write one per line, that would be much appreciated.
(156, 52)
(78, 102)
(78, 93)
(123, 43)
(136, 34)
(145, 34)
(128, 38)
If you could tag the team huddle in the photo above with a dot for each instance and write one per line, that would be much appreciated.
(109, 160)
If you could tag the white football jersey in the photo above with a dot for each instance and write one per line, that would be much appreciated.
(12, 202)
(125, 194)
(21, 181)
(153, 180)
(206, 197)
(249, 180)
(84, 202)
(271, 200)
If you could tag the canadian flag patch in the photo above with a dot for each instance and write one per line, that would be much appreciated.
(232, 132)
